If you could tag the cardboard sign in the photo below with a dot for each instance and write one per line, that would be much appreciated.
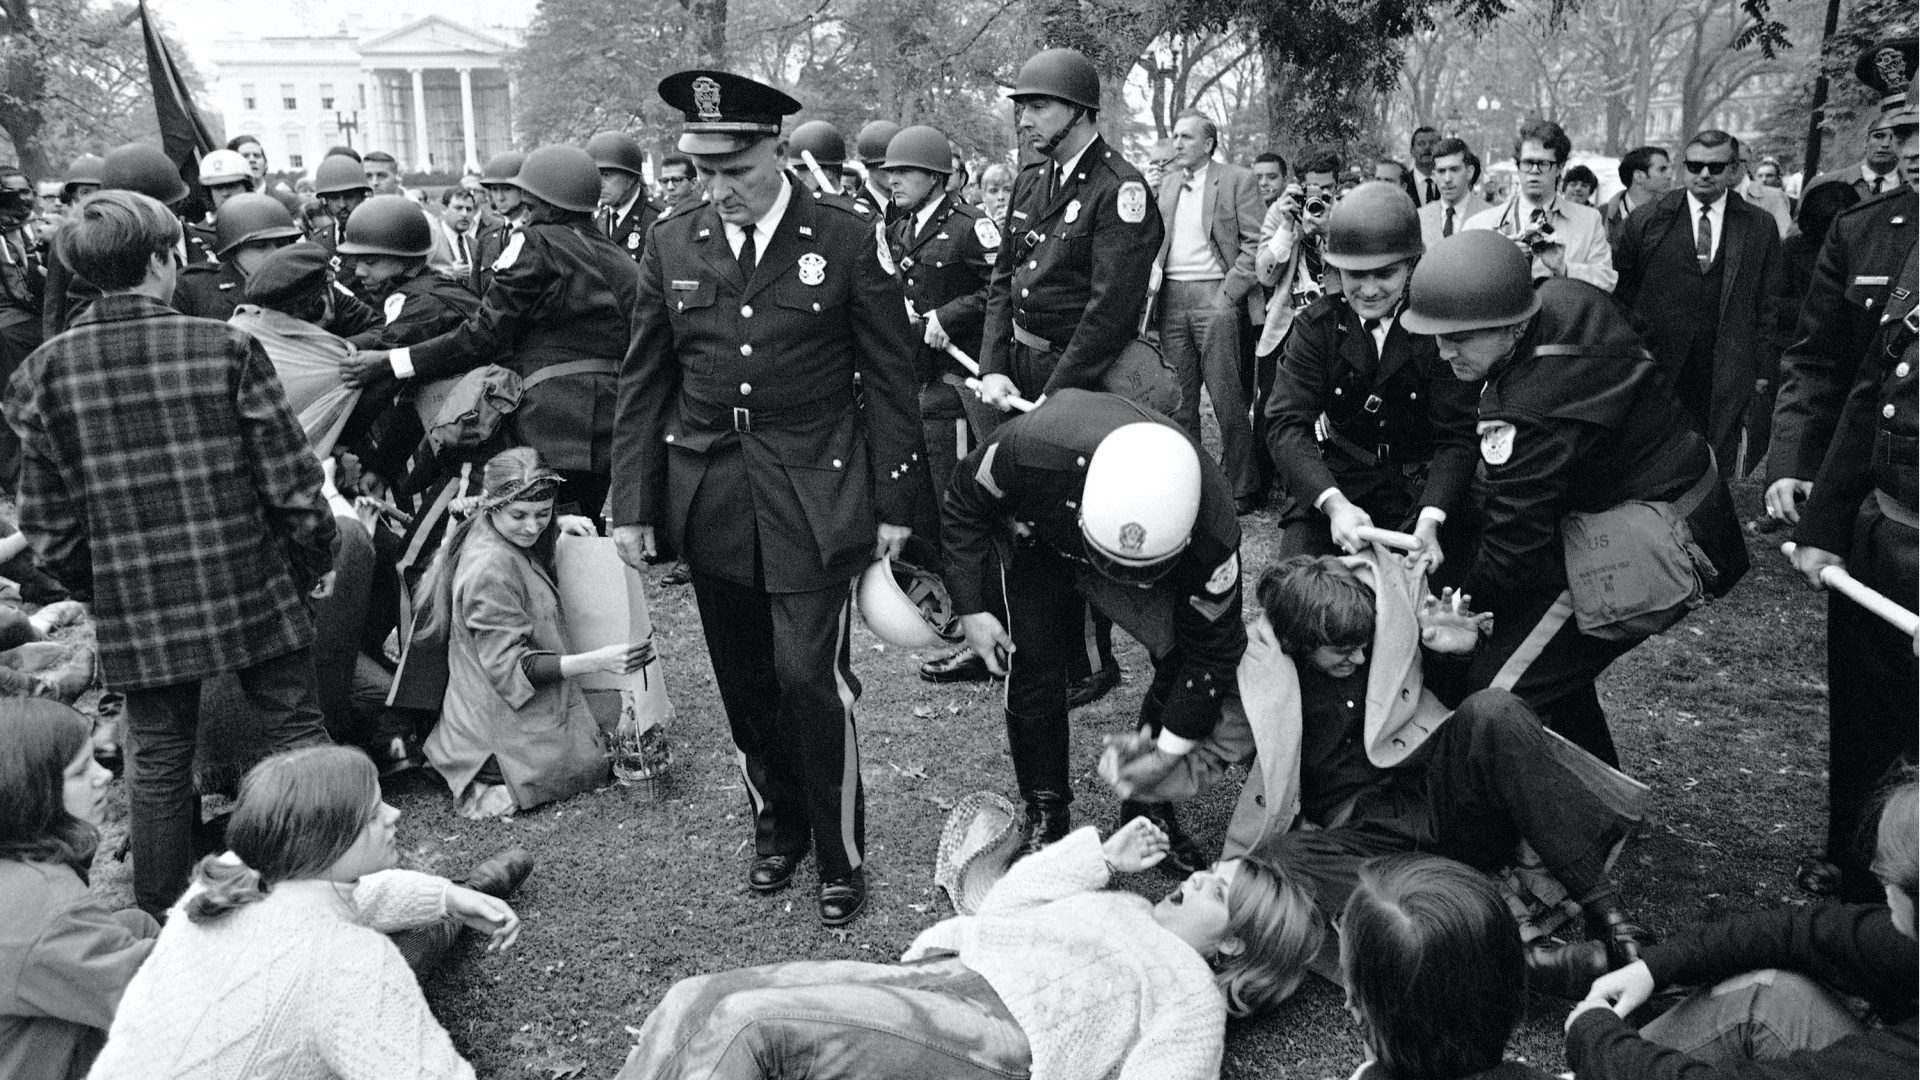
(605, 603)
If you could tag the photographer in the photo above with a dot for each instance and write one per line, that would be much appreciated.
(1288, 261)
(1562, 237)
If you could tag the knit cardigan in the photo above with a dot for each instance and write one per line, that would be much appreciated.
(302, 985)
(1096, 984)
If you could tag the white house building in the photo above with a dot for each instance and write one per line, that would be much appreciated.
(434, 93)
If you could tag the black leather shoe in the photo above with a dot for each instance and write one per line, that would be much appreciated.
(1048, 819)
(1565, 971)
(843, 898)
(501, 876)
(960, 665)
(677, 574)
(1094, 687)
(770, 873)
(1622, 937)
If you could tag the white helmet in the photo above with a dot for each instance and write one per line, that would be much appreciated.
(224, 167)
(1141, 498)
(905, 603)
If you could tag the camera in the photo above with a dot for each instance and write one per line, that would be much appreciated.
(1536, 237)
(1315, 205)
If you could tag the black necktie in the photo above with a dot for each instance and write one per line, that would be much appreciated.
(1447, 228)
(1703, 239)
(1879, 183)
(1432, 192)
(748, 256)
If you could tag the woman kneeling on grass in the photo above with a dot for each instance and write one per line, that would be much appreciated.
(64, 958)
(1056, 978)
(275, 964)
(515, 730)
(1770, 1006)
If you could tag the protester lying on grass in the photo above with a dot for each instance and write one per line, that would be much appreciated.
(1433, 971)
(1056, 977)
(1772, 984)
(64, 958)
(515, 730)
(275, 961)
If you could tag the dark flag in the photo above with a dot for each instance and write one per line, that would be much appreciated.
(183, 133)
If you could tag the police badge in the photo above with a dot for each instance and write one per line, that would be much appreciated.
(1133, 537)
(813, 269)
(706, 98)
(1496, 441)
(985, 231)
(1132, 202)
(1073, 212)
(633, 241)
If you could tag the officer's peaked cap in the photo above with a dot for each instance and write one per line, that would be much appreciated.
(724, 112)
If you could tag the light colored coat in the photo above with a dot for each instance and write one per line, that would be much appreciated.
(1232, 210)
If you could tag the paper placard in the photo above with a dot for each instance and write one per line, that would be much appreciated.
(605, 604)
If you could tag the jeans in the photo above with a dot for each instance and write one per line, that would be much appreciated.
(163, 726)
(1759, 1016)
(839, 1018)
(1201, 343)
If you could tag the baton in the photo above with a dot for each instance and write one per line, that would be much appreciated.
(1388, 538)
(1015, 400)
(819, 175)
(1837, 579)
(952, 350)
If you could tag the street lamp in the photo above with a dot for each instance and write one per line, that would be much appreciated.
(348, 122)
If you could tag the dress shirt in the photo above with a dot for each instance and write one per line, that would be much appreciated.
(1889, 179)
(922, 216)
(764, 228)
(1189, 256)
(1716, 218)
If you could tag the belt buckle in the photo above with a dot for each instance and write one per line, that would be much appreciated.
(1372, 403)
(1913, 320)
(743, 420)
(1383, 452)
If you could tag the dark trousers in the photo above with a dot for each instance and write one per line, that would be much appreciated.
(1484, 782)
(163, 726)
(1260, 372)
(584, 493)
(1873, 696)
(1058, 637)
(17, 339)
(786, 679)
(1556, 664)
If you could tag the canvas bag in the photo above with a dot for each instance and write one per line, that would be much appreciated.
(1634, 569)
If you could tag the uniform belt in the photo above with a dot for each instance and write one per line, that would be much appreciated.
(1895, 449)
(1381, 454)
(744, 420)
(1032, 340)
(1895, 510)
(568, 367)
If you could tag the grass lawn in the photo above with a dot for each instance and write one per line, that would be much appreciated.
(1724, 717)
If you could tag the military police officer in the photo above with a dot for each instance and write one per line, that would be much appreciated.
(625, 212)
(822, 142)
(340, 183)
(248, 228)
(496, 179)
(871, 147)
(740, 438)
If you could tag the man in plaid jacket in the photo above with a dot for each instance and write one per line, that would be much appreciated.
(164, 479)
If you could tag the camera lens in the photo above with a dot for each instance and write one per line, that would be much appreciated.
(1316, 205)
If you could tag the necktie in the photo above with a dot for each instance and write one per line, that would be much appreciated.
(1879, 184)
(606, 220)
(466, 249)
(1446, 229)
(1703, 240)
(1432, 191)
(748, 256)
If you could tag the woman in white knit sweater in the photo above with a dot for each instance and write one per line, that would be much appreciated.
(274, 965)
(1056, 978)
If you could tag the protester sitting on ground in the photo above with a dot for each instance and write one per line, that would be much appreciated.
(1772, 984)
(1433, 971)
(277, 960)
(1056, 977)
(1349, 738)
(64, 958)
(515, 730)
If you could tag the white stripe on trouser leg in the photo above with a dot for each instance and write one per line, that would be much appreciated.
(1536, 641)
(1006, 684)
(960, 449)
(754, 798)
(850, 743)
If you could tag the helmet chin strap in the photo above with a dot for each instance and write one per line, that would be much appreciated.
(1060, 136)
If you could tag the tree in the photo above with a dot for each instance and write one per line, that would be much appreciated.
(593, 65)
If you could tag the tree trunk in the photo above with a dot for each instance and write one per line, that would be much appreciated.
(22, 86)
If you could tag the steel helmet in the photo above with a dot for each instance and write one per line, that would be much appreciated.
(388, 225)
(904, 602)
(873, 140)
(339, 174)
(251, 216)
(84, 170)
(501, 168)
(1140, 500)
(224, 167)
(1372, 226)
(820, 138)
(920, 147)
(1059, 73)
(145, 169)
(1472, 280)
(562, 176)
(617, 150)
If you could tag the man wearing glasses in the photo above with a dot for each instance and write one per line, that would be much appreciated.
(1702, 268)
(678, 183)
(1563, 238)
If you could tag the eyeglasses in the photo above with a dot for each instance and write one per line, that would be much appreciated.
(1712, 168)
(1536, 165)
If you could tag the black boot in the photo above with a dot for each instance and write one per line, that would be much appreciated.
(1048, 819)
(1183, 855)
(1609, 924)
(1565, 971)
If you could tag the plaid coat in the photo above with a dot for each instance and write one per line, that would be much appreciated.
(164, 476)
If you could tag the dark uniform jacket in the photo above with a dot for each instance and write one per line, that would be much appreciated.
(944, 269)
(420, 308)
(630, 229)
(1073, 269)
(487, 246)
(345, 267)
(751, 383)
(561, 292)
(1856, 271)
(212, 290)
(1580, 418)
(1404, 422)
(195, 533)
(1032, 472)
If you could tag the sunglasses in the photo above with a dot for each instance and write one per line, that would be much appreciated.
(1711, 168)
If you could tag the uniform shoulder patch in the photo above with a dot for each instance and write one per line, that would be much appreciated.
(511, 252)
(1496, 441)
(393, 306)
(985, 231)
(1132, 201)
(1225, 576)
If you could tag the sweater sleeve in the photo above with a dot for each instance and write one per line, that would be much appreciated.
(1853, 948)
(399, 900)
(1061, 869)
(81, 964)
(1184, 1042)
(376, 1023)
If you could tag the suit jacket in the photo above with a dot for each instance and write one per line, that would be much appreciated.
(195, 534)
(446, 253)
(1747, 317)
(1586, 252)
(1231, 212)
(1433, 218)
(728, 376)
(1279, 262)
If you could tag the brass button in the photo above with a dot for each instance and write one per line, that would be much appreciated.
(746, 350)
(1903, 370)
(746, 311)
(745, 389)
(836, 463)
(1887, 412)
(1025, 292)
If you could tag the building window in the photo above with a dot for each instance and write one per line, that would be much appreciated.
(296, 155)
(326, 96)
(288, 100)
(247, 99)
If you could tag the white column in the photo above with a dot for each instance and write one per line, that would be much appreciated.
(422, 155)
(466, 119)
